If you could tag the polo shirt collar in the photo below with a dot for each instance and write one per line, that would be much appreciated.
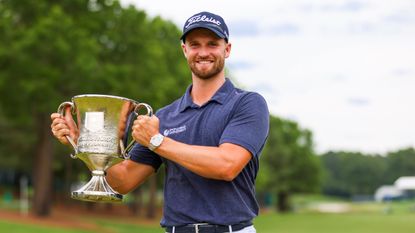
(218, 97)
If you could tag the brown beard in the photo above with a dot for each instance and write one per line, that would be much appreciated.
(207, 74)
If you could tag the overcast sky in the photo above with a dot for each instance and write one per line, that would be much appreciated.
(344, 69)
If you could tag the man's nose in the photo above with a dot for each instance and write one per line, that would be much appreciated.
(203, 51)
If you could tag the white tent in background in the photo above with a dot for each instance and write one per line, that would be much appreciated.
(388, 192)
(405, 183)
(404, 187)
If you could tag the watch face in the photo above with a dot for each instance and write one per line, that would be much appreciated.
(156, 140)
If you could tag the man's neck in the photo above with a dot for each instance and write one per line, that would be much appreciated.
(204, 89)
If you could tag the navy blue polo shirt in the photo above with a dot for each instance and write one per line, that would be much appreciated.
(231, 116)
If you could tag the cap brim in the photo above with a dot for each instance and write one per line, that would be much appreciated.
(218, 33)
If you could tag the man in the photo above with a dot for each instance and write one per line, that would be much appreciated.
(209, 140)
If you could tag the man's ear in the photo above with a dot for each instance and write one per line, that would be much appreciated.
(228, 50)
(184, 50)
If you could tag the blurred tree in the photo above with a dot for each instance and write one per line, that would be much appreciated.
(399, 163)
(52, 50)
(355, 173)
(288, 162)
(352, 173)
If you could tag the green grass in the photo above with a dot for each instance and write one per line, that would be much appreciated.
(335, 223)
(268, 223)
(361, 218)
(104, 227)
(26, 228)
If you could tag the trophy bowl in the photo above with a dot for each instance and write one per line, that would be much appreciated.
(104, 122)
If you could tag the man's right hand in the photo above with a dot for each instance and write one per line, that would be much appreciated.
(63, 126)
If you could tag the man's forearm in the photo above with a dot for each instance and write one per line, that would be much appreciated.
(127, 175)
(223, 163)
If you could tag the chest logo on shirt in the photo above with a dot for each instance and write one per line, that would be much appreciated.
(177, 130)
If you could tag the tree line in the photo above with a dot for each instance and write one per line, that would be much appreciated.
(289, 166)
(348, 174)
(53, 50)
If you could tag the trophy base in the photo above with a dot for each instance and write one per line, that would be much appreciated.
(97, 190)
(96, 196)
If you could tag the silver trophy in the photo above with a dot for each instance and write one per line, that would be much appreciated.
(103, 124)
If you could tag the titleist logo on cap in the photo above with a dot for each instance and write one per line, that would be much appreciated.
(204, 18)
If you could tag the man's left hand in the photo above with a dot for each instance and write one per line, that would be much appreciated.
(145, 127)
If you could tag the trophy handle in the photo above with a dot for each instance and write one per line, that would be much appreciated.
(61, 110)
(136, 109)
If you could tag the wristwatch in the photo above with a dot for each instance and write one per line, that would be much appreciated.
(155, 141)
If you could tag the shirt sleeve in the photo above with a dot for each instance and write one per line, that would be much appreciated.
(249, 124)
(142, 154)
